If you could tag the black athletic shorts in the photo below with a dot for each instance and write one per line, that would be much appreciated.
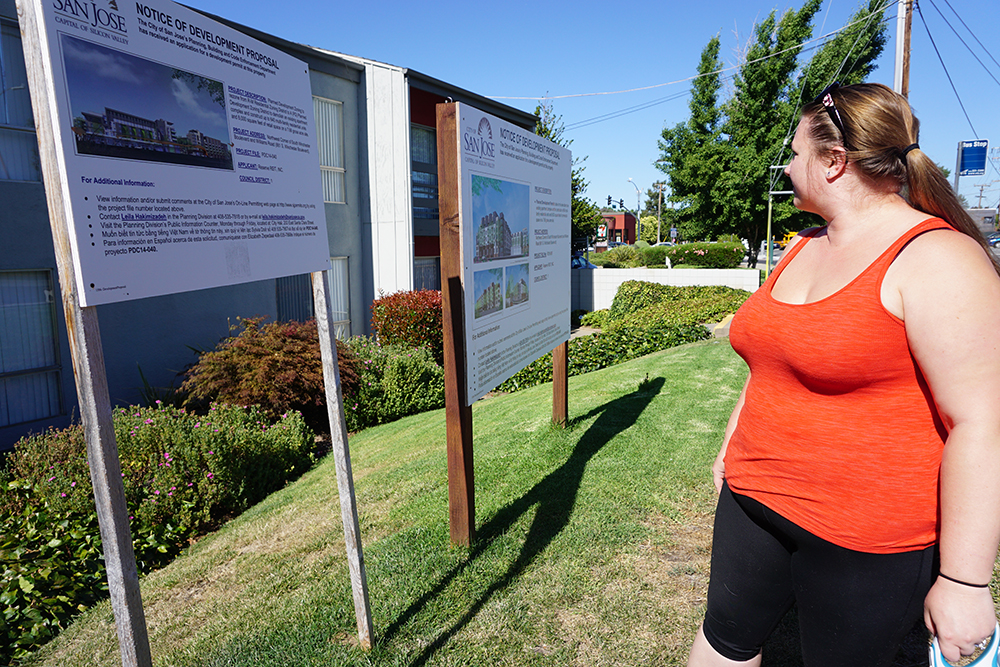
(854, 608)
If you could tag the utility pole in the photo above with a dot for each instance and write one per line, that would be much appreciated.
(659, 210)
(904, 23)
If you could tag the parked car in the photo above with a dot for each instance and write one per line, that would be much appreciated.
(581, 262)
(615, 244)
(666, 243)
(994, 239)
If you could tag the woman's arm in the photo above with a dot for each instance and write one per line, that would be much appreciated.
(719, 467)
(950, 299)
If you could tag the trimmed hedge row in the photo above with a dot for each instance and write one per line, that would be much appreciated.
(600, 350)
(708, 255)
(639, 303)
(721, 255)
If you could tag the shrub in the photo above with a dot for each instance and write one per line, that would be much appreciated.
(638, 303)
(276, 366)
(591, 353)
(51, 568)
(708, 255)
(412, 319)
(654, 256)
(706, 304)
(619, 257)
(182, 473)
(597, 319)
(395, 381)
(633, 295)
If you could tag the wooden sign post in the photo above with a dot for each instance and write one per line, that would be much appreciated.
(458, 415)
(519, 184)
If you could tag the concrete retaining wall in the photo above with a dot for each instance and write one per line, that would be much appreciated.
(594, 289)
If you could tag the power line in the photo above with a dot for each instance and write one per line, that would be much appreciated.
(623, 112)
(972, 33)
(945, 68)
(692, 78)
(963, 41)
(948, 75)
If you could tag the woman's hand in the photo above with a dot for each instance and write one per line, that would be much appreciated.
(960, 616)
(719, 470)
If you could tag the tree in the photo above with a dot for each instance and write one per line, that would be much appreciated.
(849, 57)
(757, 121)
(694, 155)
(648, 233)
(585, 216)
(718, 164)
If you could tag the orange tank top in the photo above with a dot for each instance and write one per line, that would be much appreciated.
(838, 432)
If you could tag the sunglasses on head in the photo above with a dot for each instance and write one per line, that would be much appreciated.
(826, 99)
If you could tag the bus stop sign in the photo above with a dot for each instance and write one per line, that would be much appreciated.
(973, 161)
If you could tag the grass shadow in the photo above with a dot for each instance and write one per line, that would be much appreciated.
(555, 498)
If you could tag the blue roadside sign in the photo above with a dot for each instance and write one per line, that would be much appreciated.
(973, 161)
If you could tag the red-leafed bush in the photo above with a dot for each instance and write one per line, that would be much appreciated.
(410, 318)
(276, 366)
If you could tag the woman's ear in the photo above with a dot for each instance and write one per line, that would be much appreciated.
(836, 162)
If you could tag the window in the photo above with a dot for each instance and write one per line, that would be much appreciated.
(423, 166)
(18, 146)
(294, 296)
(338, 283)
(330, 136)
(427, 273)
(29, 361)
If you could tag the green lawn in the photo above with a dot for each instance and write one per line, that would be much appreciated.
(593, 541)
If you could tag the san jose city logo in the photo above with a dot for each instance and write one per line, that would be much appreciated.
(96, 16)
(479, 141)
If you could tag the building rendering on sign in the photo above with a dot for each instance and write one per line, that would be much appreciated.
(378, 163)
(119, 134)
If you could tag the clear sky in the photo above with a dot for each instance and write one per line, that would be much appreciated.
(519, 49)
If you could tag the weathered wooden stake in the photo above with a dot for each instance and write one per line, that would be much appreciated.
(458, 415)
(342, 458)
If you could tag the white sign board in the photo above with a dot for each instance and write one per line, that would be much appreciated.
(189, 151)
(515, 211)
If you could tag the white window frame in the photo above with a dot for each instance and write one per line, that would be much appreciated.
(330, 138)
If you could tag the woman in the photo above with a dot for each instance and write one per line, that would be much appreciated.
(858, 474)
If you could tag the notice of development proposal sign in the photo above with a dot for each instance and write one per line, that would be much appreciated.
(515, 202)
(188, 148)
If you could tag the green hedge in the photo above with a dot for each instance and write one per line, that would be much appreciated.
(395, 381)
(183, 475)
(640, 303)
(722, 255)
(600, 350)
(707, 255)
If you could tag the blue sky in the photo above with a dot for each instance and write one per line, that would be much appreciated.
(592, 50)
